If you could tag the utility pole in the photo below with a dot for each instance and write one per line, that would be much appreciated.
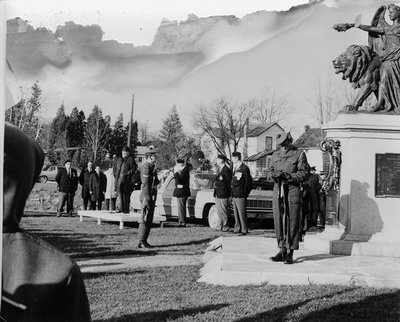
(131, 122)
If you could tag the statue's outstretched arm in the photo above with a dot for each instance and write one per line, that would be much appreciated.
(346, 26)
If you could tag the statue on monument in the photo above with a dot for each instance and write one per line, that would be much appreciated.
(374, 68)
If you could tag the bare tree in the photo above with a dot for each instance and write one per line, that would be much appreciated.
(325, 99)
(271, 107)
(143, 132)
(224, 123)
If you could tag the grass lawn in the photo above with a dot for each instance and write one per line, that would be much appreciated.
(171, 293)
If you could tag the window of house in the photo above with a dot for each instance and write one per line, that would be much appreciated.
(140, 159)
(268, 143)
(262, 163)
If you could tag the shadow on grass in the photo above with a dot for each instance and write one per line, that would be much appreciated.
(189, 243)
(94, 275)
(167, 315)
(383, 307)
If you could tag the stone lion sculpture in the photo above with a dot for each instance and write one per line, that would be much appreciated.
(382, 78)
(361, 66)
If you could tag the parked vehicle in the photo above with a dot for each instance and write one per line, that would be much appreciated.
(49, 173)
(201, 203)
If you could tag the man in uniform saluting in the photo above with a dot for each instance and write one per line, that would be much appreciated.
(289, 168)
(148, 176)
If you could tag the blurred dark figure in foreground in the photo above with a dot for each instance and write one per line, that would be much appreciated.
(40, 283)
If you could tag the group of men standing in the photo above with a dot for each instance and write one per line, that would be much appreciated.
(288, 169)
(120, 178)
(235, 182)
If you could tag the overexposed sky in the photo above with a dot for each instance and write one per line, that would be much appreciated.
(132, 21)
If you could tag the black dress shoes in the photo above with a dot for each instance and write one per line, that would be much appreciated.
(280, 257)
(288, 259)
(144, 245)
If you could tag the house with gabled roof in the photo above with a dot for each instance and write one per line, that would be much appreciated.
(310, 142)
(256, 146)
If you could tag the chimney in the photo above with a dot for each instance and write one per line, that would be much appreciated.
(306, 128)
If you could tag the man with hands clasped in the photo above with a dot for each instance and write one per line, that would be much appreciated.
(289, 168)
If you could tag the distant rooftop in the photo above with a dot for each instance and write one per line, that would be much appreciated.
(311, 138)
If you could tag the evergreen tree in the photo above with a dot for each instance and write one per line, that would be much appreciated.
(96, 133)
(75, 128)
(117, 138)
(173, 142)
(57, 141)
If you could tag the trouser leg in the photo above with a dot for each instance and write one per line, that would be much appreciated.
(86, 201)
(236, 215)
(181, 202)
(113, 203)
(145, 226)
(99, 205)
(108, 204)
(241, 206)
(222, 211)
(62, 198)
(70, 202)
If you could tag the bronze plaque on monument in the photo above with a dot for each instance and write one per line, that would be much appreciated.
(387, 175)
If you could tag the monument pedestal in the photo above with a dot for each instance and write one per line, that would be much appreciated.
(369, 217)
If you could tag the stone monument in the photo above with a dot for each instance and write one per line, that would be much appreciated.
(366, 147)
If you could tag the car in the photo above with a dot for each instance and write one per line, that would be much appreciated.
(49, 173)
(201, 203)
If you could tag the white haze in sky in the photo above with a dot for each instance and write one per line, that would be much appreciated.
(104, 54)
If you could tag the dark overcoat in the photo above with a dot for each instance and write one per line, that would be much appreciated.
(67, 183)
(39, 282)
(97, 186)
(294, 163)
(222, 185)
(123, 170)
(242, 181)
(84, 178)
(182, 181)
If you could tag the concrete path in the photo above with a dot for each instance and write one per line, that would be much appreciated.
(245, 260)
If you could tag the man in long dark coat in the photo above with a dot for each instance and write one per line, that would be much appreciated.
(84, 178)
(124, 168)
(97, 188)
(67, 183)
(289, 168)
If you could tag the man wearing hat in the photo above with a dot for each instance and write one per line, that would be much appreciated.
(124, 168)
(67, 184)
(241, 185)
(222, 191)
(148, 195)
(182, 190)
(289, 168)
